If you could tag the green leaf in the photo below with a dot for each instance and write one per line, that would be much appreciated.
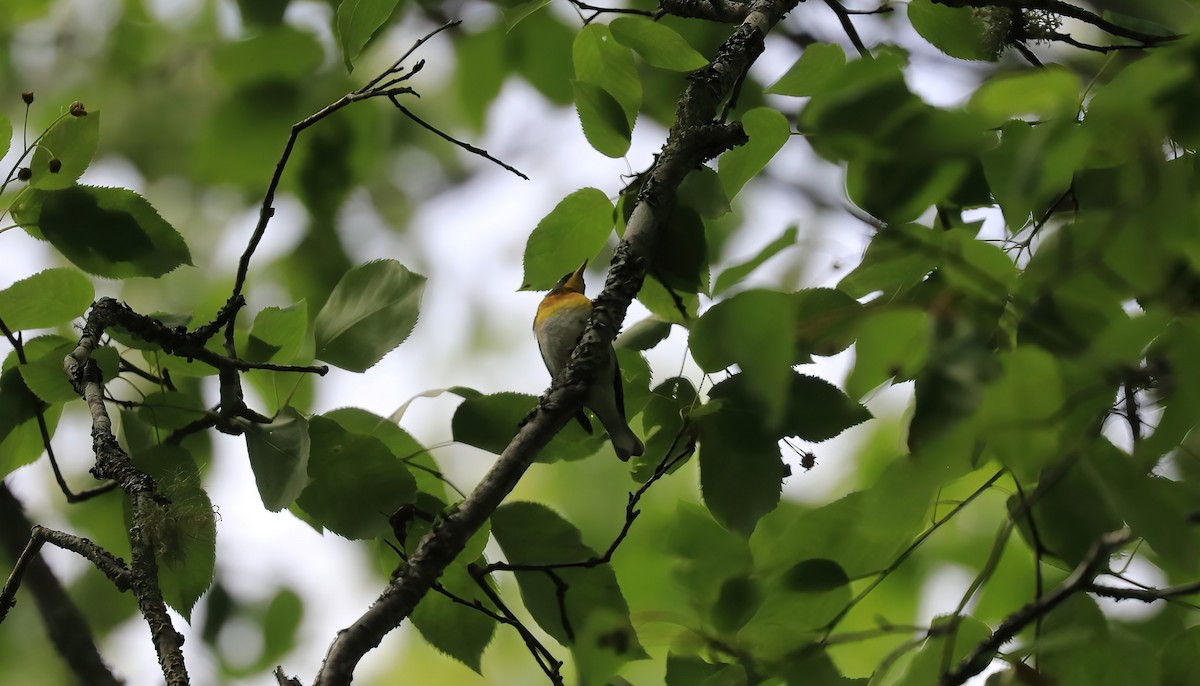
(736, 603)
(898, 258)
(741, 472)
(601, 61)
(707, 554)
(44, 372)
(72, 141)
(890, 343)
(681, 259)
(277, 334)
(899, 191)
(516, 15)
(48, 298)
(20, 436)
(454, 629)
(357, 22)
(109, 232)
(816, 69)
(603, 120)
(1181, 658)
(572, 232)
(279, 454)
(280, 623)
(281, 52)
(171, 409)
(928, 665)
(1033, 166)
(592, 616)
(644, 335)
(796, 601)
(402, 445)
(768, 130)
(490, 422)
(372, 310)
(1018, 409)
(746, 330)
(182, 530)
(735, 274)
(356, 481)
(954, 30)
(6, 132)
(1050, 93)
(657, 43)
(815, 409)
(826, 319)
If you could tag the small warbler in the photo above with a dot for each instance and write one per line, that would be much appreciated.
(559, 323)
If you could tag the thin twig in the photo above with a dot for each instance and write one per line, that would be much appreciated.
(843, 16)
(462, 144)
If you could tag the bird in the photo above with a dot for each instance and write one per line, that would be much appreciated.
(561, 317)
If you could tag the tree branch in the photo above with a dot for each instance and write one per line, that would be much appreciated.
(1066, 10)
(693, 139)
(1079, 580)
(65, 624)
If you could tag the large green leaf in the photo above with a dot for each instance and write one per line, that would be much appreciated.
(736, 273)
(183, 530)
(357, 22)
(457, 630)
(955, 31)
(741, 471)
(48, 298)
(572, 232)
(72, 141)
(20, 436)
(890, 343)
(371, 311)
(491, 421)
(43, 373)
(279, 454)
(110, 232)
(282, 52)
(601, 61)
(1018, 410)
(356, 481)
(1181, 658)
(768, 130)
(1050, 93)
(657, 43)
(816, 69)
(603, 120)
(592, 616)
(278, 334)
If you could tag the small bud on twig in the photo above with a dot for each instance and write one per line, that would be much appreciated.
(55, 165)
(77, 109)
(27, 97)
(24, 174)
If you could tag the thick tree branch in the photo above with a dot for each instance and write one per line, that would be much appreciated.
(65, 624)
(1066, 10)
(113, 463)
(694, 139)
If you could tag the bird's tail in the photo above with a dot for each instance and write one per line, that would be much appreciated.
(625, 442)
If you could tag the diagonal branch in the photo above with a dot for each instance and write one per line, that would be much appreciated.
(1079, 580)
(692, 140)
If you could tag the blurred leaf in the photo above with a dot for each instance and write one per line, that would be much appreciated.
(817, 67)
(281, 52)
(183, 530)
(735, 274)
(574, 231)
(603, 120)
(657, 43)
(768, 130)
(171, 409)
(262, 12)
(109, 232)
(898, 258)
(1181, 658)
(516, 15)
(644, 335)
(280, 623)
(826, 319)
(6, 132)
(955, 31)
(370, 312)
(1050, 93)
(279, 454)
(1032, 167)
(72, 141)
(901, 191)
(48, 298)
(357, 22)
(681, 260)
(355, 481)
(737, 601)
(592, 616)
(1018, 409)
(890, 343)
(948, 647)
